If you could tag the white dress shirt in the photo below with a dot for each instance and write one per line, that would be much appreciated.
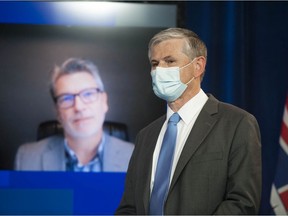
(188, 113)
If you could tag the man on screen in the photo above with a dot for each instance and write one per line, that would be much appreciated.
(81, 104)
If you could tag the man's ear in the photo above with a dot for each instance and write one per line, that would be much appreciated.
(105, 101)
(200, 66)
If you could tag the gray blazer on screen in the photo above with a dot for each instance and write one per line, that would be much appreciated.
(49, 155)
(218, 172)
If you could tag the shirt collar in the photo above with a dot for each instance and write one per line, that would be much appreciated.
(192, 107)
(99, 154)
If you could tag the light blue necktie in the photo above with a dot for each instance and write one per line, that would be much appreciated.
(163, 170)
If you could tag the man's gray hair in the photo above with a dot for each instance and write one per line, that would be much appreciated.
(71, 66)
(195, 47)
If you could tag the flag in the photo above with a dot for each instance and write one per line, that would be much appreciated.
(279, 191)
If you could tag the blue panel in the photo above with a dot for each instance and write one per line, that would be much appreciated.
(50, 13)
(61, 193)
(4, 179)
(88, 13)
(36, 201)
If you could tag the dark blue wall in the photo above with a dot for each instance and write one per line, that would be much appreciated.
(247, 65)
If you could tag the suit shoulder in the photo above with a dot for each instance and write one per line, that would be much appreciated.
(226, 108)
(234, 111)
(40, 145)
(227, 111)
(119, 143)
(29, 156)
(154, 124)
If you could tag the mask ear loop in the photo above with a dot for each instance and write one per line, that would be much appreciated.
(190, 80)
(186, 66)
(188, 63)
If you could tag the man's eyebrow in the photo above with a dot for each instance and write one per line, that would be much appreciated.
(168, 57)
(153, 61)
(165, 58)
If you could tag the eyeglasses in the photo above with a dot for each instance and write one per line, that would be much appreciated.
(66, 101)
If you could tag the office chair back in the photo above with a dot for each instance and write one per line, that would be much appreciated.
(53, 127)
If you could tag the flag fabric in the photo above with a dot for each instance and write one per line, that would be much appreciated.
(279, 192)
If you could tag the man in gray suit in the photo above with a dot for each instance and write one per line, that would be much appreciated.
(216, 163)
(81, 104)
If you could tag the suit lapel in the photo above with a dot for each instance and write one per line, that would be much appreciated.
(147, 180)
(53, 157)
(150, 139)
(200, 130)
(110, 151)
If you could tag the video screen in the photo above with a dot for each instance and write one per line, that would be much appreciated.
(36, 36)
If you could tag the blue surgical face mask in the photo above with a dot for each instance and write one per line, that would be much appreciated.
(167, 84)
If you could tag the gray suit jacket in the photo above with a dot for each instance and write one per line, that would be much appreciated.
(49, 155)
(218, 172)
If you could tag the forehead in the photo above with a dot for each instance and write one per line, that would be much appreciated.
(73, 83)
(168, 47)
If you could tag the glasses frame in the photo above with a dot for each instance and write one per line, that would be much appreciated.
(79, 94)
